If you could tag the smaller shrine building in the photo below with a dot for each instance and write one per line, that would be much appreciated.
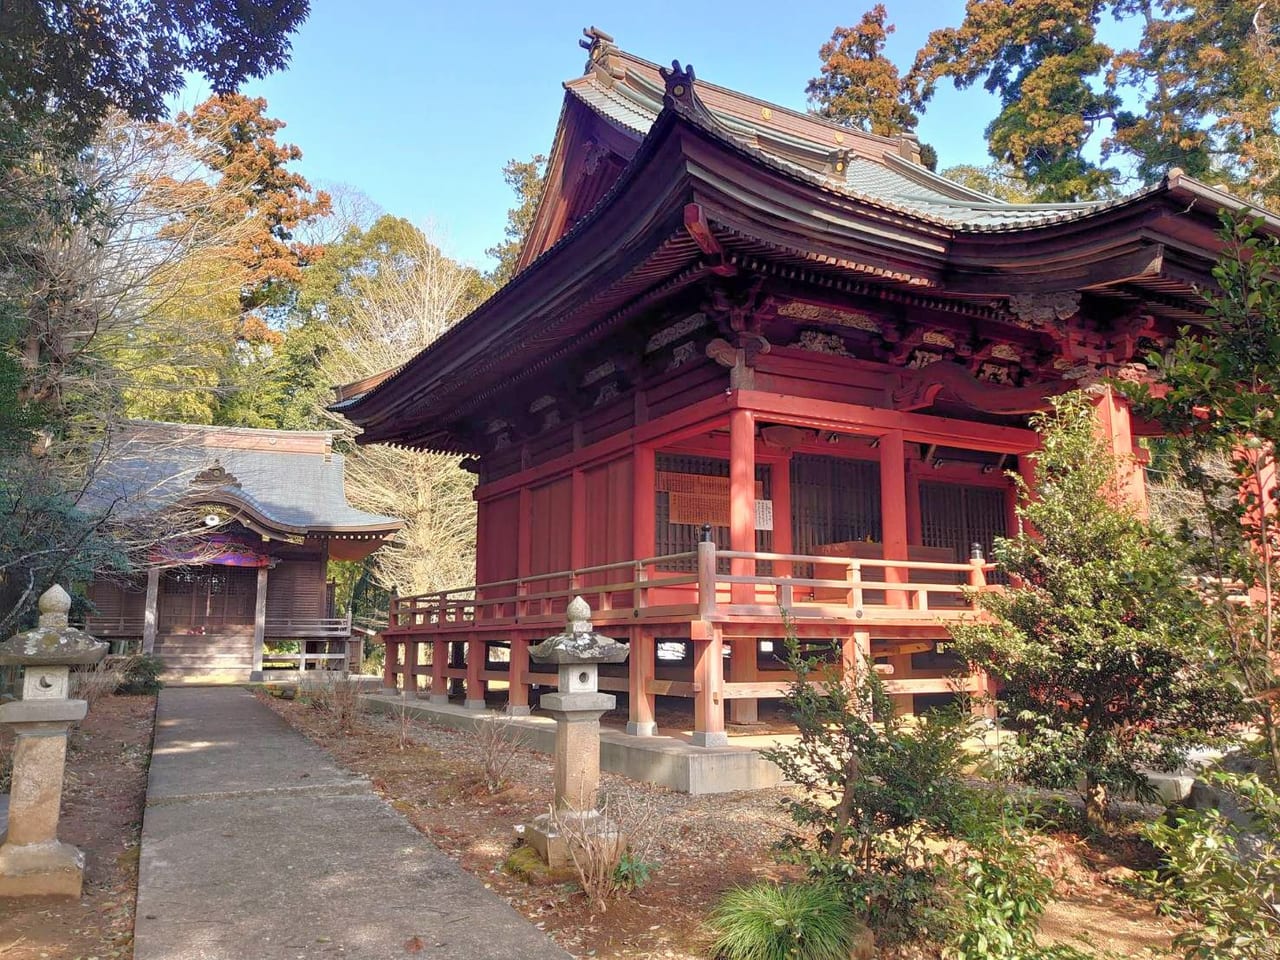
(240, 583)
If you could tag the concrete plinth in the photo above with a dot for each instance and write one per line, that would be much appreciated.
(474, 704)
(647, 729)
(519, 710)
(553, 835)
(438, 698)
(715, 738)
(49, 869)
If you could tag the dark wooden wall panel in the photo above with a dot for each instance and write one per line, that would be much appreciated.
(496, 552)
(550, 526)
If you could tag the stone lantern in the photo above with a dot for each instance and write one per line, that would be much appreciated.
(32, 860)
(577, 707)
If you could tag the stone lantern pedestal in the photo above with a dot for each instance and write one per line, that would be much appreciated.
(33, 862)
(577, 706)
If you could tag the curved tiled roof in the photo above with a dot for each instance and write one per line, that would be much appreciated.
(876, 172)
(295, 488)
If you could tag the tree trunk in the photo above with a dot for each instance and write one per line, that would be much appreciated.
(1095, 805)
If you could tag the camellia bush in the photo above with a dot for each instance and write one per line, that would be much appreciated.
(1106, 659)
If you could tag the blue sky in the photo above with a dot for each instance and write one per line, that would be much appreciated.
(419, 104)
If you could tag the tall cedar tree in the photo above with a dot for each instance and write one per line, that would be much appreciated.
(526, 178)
(858, 85)
(1198, 91)
(254, 185)
(1103, 654)
(1219, 405)
(65, 63)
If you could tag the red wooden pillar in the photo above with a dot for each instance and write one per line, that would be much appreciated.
(708, 680)
(439, 660)
(780, 489)
(855, 656)
(644, 482)
(894, 532)
(517, 688)
(1114, 427)
(388, 664)
(642, 721)
(578, 521)
(411, 667)
(475, 674)
(742, 499)
(641, 700)
(743, 668)
(893, 511)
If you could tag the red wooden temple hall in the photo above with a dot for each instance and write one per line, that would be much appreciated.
(733, 316)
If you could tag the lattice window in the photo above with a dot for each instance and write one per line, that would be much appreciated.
(954, 516)
(833, 500)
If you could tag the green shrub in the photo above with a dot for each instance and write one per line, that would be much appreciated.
(876, 797)
(141, 676)
(999, 890)
(788, 922)
(632, 871)
(1227, 879)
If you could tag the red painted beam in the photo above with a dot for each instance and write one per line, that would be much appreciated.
(873, 421)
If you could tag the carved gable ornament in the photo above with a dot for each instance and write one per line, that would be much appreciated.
(215, 475)
(1034, 311)
(854, 319)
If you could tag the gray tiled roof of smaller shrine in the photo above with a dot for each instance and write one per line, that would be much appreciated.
(155, 465)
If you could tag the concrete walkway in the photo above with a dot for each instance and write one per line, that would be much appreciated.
(257, 846)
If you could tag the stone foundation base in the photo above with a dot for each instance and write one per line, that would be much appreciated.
(552, 842)
(715, 738)
(647, 729)
(473, 704)
(50, 869)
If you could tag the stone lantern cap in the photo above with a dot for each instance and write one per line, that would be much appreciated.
(53, 642)
(579, 643)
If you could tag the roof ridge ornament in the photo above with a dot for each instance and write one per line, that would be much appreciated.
(679, 93)
(602, 53)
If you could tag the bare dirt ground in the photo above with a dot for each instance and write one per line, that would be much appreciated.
(102, 805)
(701, 846)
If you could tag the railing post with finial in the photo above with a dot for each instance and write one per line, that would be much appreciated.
(706, 574)
(977, 567)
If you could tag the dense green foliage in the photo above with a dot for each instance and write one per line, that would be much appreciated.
(791, 921)
(1077, 115)
(886, 821)
(1226, 876)
(874, 796)
(526, 178)
(65, 63)
(1219, 404)
(1105, 656)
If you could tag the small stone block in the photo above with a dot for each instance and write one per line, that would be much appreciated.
(519, 711)
(44, 711)
(41, 870)
(716, 738)
(473, 704)
(647, 729)
(441, 699)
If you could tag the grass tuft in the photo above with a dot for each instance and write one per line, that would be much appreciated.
(789, 922)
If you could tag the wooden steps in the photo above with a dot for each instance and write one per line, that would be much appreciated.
(205, 659)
